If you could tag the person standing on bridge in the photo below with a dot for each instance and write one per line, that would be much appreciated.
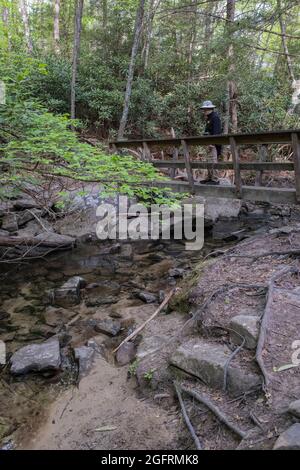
(213, 127)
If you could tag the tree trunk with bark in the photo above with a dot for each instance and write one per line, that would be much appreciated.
(284, 42)
(56, 34)
(25, 19)
(76, 50)
(134, 50)
(231, 120)
(5, 19)
(154, 4)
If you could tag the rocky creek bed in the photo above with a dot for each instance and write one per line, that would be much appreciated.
(62, 316)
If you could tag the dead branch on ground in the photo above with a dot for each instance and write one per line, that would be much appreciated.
(142, 326)
(186, 417)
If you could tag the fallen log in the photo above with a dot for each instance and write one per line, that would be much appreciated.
(54, 241)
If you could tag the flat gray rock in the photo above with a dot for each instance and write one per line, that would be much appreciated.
(69, 293)
(207, 361)
(126, 353)
(289, 439)
(147, 297)
(150, 344)
(294, 408)
(246, 326)
(36, 358)
(84, 355)
(108, 326)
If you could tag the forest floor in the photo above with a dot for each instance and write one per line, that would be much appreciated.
(109, 410)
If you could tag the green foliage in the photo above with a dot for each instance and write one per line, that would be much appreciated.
(38, 144)
(133, 368)
(149, 375)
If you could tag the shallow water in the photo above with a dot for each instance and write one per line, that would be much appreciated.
(113, 281)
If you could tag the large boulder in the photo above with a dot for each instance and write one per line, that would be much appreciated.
(36, 358)
(246, 326)
(207, 361)
(216, 207)
(289, 439)
(69, 293)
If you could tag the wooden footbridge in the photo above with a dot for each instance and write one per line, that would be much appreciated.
(279, 195)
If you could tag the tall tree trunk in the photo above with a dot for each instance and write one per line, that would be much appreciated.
(25, 19)
(284, 42)
(193, 34)
(136, 40)
(104, 13)
(56, 34)
(231, 120)
(154, 4)
(208, 21)
(76, 50)
(5, 19)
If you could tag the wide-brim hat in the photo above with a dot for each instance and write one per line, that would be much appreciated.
(207, 105)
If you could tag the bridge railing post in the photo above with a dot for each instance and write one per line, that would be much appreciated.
(113, 148)
(188, 167)
(175, 155)
(296, 153)
(262, 156)
(236, 165)
(146, 152)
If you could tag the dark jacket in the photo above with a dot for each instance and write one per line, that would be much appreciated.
(214, 127)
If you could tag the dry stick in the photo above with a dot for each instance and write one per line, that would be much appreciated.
(264, 322)
(203, 308)
(186, 417)
(139, 328)
(215, 410)
(38, 220)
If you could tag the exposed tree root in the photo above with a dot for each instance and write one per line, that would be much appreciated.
(220, 415)
(295, 252)
(186, 417)
(264, 321)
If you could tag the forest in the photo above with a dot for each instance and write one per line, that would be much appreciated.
(141, 69)
(142, 343)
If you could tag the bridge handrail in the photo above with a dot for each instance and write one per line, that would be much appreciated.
(266, 137)
(290, 136)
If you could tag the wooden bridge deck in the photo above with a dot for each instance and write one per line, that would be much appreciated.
(254, 193)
